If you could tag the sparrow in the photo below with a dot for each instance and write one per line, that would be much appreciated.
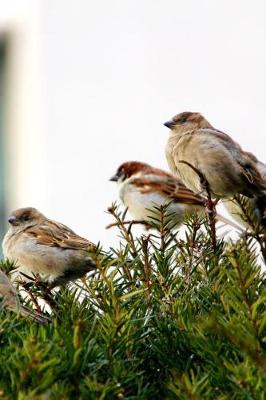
(10, 300)
(255, 207)
(46, 248)
(195, 149)
(143, 187)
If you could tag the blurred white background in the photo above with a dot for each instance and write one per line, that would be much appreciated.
(89, 85)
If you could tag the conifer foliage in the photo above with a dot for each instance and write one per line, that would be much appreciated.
(162, 318)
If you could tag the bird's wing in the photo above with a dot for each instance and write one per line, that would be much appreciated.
(170, 188)
(184, 195)
(223, 137)
(251, 174)
(55, 234)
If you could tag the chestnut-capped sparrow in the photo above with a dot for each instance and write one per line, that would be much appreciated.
(10, 300)
(224, 165)
(255, 207)
(143, 187)
(40, 246)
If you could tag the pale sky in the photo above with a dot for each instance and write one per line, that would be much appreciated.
(101, 77)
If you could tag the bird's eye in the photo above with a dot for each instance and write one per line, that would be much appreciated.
(26, 218)
(182, 120)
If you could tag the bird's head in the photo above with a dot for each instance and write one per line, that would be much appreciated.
(25, 217)
(128, 169)
(187, 121)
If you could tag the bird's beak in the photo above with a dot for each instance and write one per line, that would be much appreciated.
(114, 178)
(169, 124)
(13, 220)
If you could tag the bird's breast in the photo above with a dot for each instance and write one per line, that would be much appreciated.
(139, 203)
(34, 258)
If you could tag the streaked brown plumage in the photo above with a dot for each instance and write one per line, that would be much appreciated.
(226, 167)
(40, 246)
(255, 206)
(142, 187)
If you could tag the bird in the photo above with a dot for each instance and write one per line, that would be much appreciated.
(10, 300)
(143, 187)
(200, 154)
(47, 249)
(252, 212)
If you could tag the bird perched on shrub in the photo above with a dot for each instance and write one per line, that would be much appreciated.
(143, 187)
(196, 146)
(46, 248)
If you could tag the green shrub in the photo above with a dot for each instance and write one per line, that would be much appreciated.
(163, 318)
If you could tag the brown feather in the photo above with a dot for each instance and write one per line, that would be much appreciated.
(225, 166)
(174, 189)
(55, 234)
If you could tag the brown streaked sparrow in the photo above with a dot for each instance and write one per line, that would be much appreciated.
(225, 166)
(46, 248)
(142, 187)
(255, 206)
(10, 300)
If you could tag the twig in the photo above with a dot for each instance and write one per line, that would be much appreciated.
(162, 228)
(33, 299)
(133, 222)
(209, 204)
(126, 233)
(188, 270)
(146, 263)
(128, 223)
